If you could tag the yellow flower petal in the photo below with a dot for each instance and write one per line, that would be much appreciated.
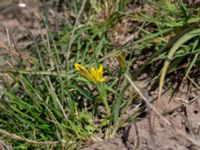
(92, 71)
(100, 70)
(84, 72)
(95, 75)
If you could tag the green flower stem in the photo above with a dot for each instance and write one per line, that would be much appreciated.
(103, 95)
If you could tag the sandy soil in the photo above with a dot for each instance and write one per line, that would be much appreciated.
(183, 135)
(182, 110)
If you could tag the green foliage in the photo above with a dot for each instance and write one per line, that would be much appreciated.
(53, 103)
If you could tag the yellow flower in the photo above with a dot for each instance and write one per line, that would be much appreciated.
(95, 75)
(121, 60)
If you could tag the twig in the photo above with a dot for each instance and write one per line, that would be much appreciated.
(74, 29)
(19, 138)
(29, 72)
(146, 100)
(195, 84)
(12, 52)
(188, 137)
(57, 100)
(176, 108)
(149, 118)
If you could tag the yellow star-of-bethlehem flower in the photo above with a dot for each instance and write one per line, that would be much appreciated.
(94, 75)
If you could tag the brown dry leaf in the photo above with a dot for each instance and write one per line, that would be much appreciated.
(128, 38)
(107, 11)
(120, 35)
